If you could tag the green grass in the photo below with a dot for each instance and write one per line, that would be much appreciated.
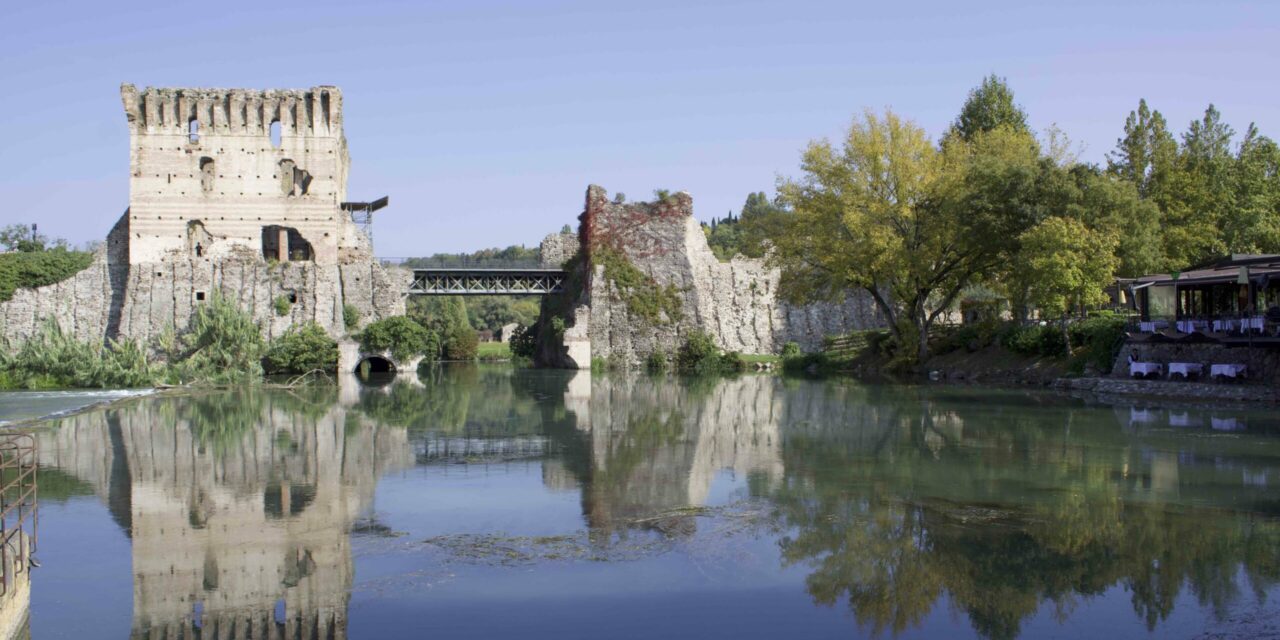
(494, 351)
(752, 358)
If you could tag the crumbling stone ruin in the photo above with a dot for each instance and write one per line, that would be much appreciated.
(231, 191)
(737, 302)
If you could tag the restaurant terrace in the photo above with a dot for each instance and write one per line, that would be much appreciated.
(1234, 300)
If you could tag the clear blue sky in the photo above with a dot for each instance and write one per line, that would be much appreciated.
(485, 121)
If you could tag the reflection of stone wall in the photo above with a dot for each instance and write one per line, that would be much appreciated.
(226, 526)
(656, 446)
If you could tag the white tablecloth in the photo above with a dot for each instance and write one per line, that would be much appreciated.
(1144, 368)
(1152, 326)
(1186, 368)
(1228, 370)
(1192, 326)
(1224, 326)
(1254, 322)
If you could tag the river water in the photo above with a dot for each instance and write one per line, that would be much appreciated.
(487, 501)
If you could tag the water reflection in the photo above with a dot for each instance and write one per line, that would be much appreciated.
(238, 506)
(241, 507)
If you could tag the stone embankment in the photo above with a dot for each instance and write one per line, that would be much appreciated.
(1241, 392)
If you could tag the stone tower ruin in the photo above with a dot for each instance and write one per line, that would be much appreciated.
(216, 173)
(232, 192)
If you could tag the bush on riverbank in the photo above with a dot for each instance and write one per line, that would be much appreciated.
(223, 346)
(302, 349)
(53, 359)
(401, 337)
(699, 354)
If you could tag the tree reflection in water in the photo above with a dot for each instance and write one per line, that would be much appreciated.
(893, 498)
(1005, 510)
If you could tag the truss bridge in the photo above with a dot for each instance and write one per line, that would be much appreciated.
(485, 282)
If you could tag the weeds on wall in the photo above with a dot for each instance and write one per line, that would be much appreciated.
(645, 298)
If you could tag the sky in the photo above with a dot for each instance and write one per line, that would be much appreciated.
(484, 121)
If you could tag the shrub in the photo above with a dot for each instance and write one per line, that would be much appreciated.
(282, 305)
(656, 362)
(971, 337)
(31, 269)
(400, 336)
(224, 345)
(699, 354)
(524, 343)
(1032, 340)
(51, 358)
(302, 349)
(790, 350)
(350, 316)
(1101, 337)
(461, 343)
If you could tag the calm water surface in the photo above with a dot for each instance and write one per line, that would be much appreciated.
(494, 502)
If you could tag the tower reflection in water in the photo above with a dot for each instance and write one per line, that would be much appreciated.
(240, 507)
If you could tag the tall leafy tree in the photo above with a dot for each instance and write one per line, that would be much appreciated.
(1147, 154)
(990, 106)
(888, 212)
(1066, 266)
(1254, 225)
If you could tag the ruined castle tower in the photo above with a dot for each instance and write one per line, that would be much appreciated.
(232, 192)
(214, 172)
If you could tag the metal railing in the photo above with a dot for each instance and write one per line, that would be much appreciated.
(495, 264)
(19, 518)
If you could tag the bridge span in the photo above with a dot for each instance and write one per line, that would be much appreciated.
(480, 277)
(487, 282)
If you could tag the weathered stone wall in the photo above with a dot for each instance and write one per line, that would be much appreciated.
(557, 248)
(736, 302)
(204, 169)
(142, 301)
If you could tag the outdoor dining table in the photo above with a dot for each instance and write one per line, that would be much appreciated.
(1192, 326)
(1224, 326)
(1255, 322)
(1226, 370)
(1145, 368)
(1185, 368)
(1152, 326)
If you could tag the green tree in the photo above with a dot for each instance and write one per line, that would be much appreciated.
(1254, 225)
(1066, 266)
(1147, 154)
(913, 226)
(990, 106)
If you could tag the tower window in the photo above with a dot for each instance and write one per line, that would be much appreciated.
(193, 131)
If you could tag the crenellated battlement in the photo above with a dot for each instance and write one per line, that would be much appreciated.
(314, 112)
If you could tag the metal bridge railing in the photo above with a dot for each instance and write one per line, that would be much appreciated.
(463, 263)
(19, 520)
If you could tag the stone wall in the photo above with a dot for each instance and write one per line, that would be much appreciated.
(736, 302)
(557, 248)
(141, 301)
